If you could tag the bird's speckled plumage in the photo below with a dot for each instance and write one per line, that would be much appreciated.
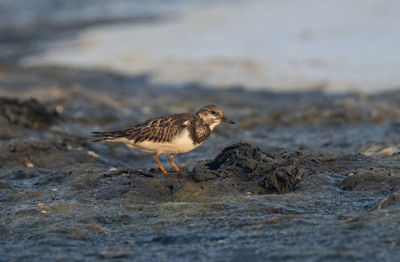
(161, 129)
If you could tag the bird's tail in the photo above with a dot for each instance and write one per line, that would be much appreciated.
(107, 136)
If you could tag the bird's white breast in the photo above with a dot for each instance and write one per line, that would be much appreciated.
(181, 143)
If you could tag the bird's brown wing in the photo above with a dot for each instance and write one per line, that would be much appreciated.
(161, 129)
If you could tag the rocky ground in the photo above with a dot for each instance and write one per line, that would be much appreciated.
(301, 177)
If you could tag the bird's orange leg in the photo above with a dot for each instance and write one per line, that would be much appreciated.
(159, 164)
(171, 161)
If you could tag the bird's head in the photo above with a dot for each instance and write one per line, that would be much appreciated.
(212, 116)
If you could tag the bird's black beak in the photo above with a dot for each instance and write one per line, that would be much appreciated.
(226, 120)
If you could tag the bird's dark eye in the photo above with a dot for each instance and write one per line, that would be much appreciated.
(213, 112)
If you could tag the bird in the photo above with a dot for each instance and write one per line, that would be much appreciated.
(168, 135)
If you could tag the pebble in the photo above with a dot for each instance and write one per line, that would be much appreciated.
(59, 109)
(388, 151)
(93, 154)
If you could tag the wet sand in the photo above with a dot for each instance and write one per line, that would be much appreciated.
(301, 177)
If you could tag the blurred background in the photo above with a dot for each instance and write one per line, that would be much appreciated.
(280, 45)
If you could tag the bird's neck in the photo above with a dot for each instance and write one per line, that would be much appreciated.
(199, 131)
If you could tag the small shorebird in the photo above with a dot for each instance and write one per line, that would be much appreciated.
(168, 135)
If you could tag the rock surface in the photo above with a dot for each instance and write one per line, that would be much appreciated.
(247, 168)
(30, 113)
(301, 177)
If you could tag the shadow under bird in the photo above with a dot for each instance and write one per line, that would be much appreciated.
(168, 135)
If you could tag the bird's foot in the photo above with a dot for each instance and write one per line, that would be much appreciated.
(171, 161)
